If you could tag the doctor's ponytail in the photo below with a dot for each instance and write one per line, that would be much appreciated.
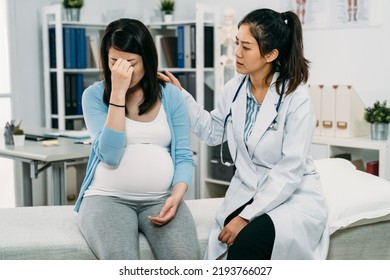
(294, 67)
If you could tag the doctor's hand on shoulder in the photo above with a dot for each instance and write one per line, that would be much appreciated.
(232, 229)
(169, 78)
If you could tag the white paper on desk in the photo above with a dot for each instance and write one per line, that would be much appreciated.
(76, 134)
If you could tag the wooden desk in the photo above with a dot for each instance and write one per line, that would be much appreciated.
(36, 158)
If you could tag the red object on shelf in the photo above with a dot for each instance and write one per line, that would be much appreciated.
(372, 167)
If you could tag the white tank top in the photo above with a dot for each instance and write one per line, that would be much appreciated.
(146, 168)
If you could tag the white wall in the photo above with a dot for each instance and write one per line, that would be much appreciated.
(355, 56)
(26, 57)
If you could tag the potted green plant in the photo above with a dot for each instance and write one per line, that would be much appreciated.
(167, 7)
(18, 131)
(18, 136)
(72, 9)
(379, 117)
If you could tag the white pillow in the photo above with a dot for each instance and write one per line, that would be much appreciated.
(354, 197)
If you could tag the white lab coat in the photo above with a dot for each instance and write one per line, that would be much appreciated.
(275, 169)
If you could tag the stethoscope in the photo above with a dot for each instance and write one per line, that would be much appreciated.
(273, 126)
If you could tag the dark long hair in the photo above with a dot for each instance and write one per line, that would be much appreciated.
(281, 31)
(132, 36)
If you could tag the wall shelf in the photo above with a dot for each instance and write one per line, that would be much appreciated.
(360, 148)
(63, 86)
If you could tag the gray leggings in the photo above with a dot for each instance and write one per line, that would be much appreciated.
(110, 226)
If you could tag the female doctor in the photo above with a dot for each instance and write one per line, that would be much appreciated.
(274, 207)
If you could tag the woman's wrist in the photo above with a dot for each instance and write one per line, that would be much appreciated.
(117, 99)
(117, 105)
(178, 191)
(176, 199)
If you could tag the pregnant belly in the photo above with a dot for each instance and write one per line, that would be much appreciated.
(144, 168)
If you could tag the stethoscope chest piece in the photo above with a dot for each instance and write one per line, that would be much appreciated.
(274, 126)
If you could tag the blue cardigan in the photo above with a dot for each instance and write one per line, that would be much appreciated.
(108, 144)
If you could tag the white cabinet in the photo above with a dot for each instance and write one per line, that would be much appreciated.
(359, 147)
(68, 66)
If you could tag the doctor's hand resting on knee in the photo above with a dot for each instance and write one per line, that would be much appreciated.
(141, 161)
(274, 207)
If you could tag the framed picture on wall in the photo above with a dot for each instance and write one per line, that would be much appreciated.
(335, 13)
